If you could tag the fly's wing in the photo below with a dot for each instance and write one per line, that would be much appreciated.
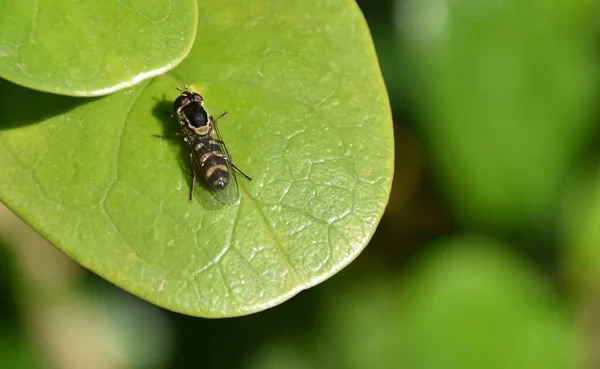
(230, 193)
(217, 134)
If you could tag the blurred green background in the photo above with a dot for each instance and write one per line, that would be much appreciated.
(488, 255)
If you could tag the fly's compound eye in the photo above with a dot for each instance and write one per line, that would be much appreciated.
(185, 98)
(197, 97)
(181, 101)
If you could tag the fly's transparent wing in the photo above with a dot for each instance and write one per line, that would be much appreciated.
(217, 134)
(230, 193)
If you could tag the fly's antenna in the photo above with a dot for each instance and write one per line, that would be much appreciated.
(187, 87)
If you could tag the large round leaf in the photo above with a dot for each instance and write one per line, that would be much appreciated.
(91, 48)
(308, 119)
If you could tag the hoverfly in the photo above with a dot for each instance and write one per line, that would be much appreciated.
(209, 158)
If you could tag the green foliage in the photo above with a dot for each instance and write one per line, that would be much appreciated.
(90, 48)
(468, 304)
(308, 119)
(16, 351)
(476, 305)
(581, 230)
(506, 90)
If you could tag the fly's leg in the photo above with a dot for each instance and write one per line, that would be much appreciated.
(164, 136)
(239, 170)
(219, 117)
(227, 157)
(167, 137)
(231, 161)
(193, 176)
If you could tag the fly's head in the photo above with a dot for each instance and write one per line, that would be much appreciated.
(189, 107)
(186, 98)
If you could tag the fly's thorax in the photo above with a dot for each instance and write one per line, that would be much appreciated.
(200, 131)
(194, 118)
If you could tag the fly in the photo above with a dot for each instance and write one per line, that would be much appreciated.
(209, 158)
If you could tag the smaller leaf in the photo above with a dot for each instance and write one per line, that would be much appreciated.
(91, 48)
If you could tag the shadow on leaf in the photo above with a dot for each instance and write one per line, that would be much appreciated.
(21, 106)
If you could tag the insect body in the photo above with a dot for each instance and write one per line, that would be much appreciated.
(209, 157)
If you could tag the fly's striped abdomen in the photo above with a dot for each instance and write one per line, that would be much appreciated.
(213, 163)
(216, 172)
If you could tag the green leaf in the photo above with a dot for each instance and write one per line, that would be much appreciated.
(472, 303)
(308, 119)
(91, 48)
(469, 304)
(580, 230)
(505, 92)
(17, 350)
